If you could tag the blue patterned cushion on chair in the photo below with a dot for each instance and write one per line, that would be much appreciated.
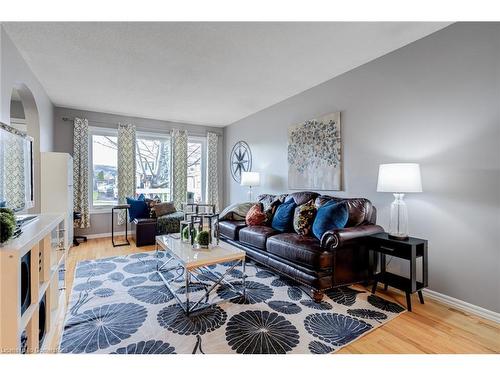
(138, 209)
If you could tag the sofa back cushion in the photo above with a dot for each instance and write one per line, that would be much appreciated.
(270, 203)
(283, 217)
(164, 208)
(331, 215)
(301, 197)
(303, 218)
(361, 211)
(255, 216)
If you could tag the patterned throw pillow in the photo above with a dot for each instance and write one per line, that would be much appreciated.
(255, 216)
(164, 208)
(303, 218)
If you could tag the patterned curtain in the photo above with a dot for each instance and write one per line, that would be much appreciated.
(81, 170)
(15, 187)
(212, 173)
(126, 166)
(179, 154)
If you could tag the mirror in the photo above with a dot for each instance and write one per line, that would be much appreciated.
(16, 160)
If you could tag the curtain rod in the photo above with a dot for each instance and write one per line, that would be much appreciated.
(197, 134)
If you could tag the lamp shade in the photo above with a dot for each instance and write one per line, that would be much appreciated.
(399, 178)
(250, 178)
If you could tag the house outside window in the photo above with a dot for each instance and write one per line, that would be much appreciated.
(153, 166)
(103, 157)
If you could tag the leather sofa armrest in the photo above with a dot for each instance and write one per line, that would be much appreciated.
(336, 238)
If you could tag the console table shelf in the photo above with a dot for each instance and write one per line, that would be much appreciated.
(32, 286)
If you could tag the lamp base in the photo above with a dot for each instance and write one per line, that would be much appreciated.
(400, 237)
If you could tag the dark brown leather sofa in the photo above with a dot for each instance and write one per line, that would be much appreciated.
(339, 258)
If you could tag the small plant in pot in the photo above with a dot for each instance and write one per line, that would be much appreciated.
(185, 233)
(7, 224)
(203, 239)
(190, 197)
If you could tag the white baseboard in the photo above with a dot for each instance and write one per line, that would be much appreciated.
(462, 305)
(103, 235)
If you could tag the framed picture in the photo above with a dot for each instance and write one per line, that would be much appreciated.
(314, 154)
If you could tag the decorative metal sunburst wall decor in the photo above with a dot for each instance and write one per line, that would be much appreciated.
(240, 160)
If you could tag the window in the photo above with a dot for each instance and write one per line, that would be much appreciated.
(196, 168)
(104, 173)
(153, 166)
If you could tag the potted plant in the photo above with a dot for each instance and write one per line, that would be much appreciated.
(7, 224)
(190, 197)
(203, 239)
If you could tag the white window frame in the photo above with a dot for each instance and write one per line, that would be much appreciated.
(154, 136)
(203, 141)
(104, 132)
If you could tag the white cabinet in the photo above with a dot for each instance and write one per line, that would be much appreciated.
(57, 189)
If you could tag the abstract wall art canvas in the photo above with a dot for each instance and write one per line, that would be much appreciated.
(314, 154)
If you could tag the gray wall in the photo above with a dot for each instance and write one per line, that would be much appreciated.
(63, 142)
(15, 73)
(435, 102)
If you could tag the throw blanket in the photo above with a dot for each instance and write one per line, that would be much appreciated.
(236, 211)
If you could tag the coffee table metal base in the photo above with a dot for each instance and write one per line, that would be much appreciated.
(191, 306)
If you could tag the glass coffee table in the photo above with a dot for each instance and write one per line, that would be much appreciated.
(197, 263)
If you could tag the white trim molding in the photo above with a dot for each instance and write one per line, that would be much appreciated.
(462, 305)
(103, 235)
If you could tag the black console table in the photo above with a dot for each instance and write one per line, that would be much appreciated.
(410, 250)
(119, 207)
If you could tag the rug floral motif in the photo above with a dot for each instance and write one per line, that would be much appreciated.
(120, 305)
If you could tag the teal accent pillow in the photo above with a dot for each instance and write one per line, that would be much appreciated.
(138, 209)
(331, 215)
(283, 217)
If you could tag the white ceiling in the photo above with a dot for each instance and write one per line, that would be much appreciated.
(201, 73)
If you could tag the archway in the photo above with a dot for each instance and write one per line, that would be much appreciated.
(23, 103)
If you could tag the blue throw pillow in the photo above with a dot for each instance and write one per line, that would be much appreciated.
(283, 217)
(138, 209)
(331, 215)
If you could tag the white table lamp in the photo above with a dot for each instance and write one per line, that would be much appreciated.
(250, 179)
(399, 178)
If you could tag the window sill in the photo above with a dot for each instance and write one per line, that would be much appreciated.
(99, 211)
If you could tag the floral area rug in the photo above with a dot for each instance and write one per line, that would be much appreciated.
(120, 305)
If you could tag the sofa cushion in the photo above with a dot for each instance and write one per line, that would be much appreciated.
(256, 235)
(164, 208)
(331, 215)
(301, 197)
(170, 223)
(255, 216)
(269, 205)
(283, 218)
(299, 249)
(231, 228)
(138, 209)
(236, 211)
(361, 210)
(303, 218)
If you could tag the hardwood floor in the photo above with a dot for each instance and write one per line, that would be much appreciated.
(430, 328)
